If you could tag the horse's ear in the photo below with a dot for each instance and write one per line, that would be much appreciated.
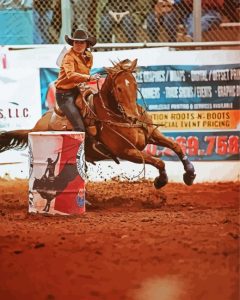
(133, 65)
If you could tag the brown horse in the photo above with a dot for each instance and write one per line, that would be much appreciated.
(122, 125)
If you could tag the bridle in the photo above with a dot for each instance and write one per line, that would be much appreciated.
(128, 121)
(114, 95)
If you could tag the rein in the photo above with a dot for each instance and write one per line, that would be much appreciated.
(126, 124)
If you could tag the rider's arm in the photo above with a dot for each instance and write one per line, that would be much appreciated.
(57, 158)
(69, 67)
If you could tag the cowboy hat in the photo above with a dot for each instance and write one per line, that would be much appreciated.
(82, 36)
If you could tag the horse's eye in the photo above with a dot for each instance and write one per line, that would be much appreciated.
(119, 89)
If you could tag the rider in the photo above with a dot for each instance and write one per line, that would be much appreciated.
(51, 168)
(75, 70)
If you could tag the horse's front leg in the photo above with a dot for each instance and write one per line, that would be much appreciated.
(137, 156)
(157, 138)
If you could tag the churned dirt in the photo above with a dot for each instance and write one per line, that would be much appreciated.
(135, 243)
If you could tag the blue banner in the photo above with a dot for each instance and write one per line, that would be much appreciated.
(189, 87)
(208, 145)
(201, 146)
(47, 79)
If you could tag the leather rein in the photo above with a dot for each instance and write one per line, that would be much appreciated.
(128, 122)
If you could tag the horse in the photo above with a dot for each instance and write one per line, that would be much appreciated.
(121, 124)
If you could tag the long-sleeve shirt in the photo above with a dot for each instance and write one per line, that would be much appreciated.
(75, 69)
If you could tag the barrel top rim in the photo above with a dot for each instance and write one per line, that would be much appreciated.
(56, 132)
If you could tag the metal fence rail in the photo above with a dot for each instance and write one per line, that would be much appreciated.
(127, 21)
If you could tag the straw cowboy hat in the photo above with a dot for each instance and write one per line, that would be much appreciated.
(81, 35)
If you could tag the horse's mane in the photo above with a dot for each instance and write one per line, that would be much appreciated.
(124, 65)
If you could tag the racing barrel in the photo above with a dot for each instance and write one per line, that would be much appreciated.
(56, 172)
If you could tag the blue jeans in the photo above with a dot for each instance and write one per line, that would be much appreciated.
(66, 102)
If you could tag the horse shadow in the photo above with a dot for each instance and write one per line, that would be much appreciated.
(50, 188)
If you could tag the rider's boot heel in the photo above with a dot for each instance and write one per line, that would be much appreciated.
(102, 149)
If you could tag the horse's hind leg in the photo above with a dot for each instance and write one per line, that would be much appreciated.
(47, 206)
(137, 156)
(159, 139)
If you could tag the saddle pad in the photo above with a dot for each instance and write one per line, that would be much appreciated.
(59, 123)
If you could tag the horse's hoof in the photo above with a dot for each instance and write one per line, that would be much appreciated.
(188, 178)
(189, 168)
(159, 182)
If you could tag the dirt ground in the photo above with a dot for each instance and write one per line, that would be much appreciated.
(135, 243)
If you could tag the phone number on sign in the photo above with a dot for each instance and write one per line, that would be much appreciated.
(192, 146)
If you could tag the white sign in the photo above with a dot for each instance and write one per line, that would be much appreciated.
(20, 98)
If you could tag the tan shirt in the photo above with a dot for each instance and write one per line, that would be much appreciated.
(75, 69)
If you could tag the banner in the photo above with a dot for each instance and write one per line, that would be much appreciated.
(20, 105)
(201, 146)
(197, 105)
(189, 120)
(47, 79)
(4, 52)
(190, 87)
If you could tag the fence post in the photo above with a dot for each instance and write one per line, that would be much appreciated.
(66, 12)
(197, 25)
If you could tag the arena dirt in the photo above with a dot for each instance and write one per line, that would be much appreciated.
(135, 243)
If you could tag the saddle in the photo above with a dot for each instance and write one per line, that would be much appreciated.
(59, 121)
(84, 102)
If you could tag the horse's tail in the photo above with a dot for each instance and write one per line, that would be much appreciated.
(16, 139)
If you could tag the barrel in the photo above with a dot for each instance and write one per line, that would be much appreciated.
(56, 172)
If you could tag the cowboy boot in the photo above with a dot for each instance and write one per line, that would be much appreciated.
(102, 149)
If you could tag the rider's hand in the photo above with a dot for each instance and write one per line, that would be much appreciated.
(95, 77)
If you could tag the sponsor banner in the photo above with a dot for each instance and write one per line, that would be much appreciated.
(184, 98)
(189, 87)
(168, 88)
(47, 79)
(20, 105)
(198, 144)
(189, 120)
(46, 56)
(202, 146)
